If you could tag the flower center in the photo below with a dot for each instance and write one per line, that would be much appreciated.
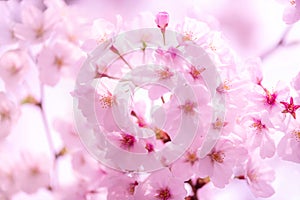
(59, 62)
(162, 135)
(149, 147)
(163, 194)
(127, 141)
(132, 187)
(34, 171)
(106, 101)
(296, 134)
(14, 69)
(218, 124)
(188, 36)
(270, 98)
(4, 115)
(165, 73)
(191, 157)
(252, 176)
(224, 87)
(188, 107)
(257, 124)
(218, 157)
(39, 32)
(212, 47)
(196, 73)
(293, 2)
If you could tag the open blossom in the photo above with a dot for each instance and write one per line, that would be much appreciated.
(254, 66)
(119, 186)
(9, 114)
(219, 163)
(259, 178)
(9, 15)
(187, 165)
(192, 30)
(161, 185)
(36, 24)
(266, 99)
(36, 169)
(217, 45)
(289, 145)
(55, 59)
(13, 66)
(101, 30)
(260, 127)
(86, 167)
(68, 133)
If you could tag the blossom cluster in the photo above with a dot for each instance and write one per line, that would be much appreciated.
(43, 45)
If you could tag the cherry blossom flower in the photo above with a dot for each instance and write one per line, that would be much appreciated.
(289, 145)
(161, 185)
(170, 57)
(254, 66)
(260, 127)
(259, 178)
(9, 114)
(192, 30)
(13, 67)
(10, 15)
(37, 171)
(101, 30)
(86, 167)
(36, 24)
(187, 165)
(68, 134)
(8, 186)
(219, 163)
(60, 57)
(216, 45)
(120, 186)
(265, 99)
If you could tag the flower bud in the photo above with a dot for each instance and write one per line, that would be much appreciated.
(162, 20)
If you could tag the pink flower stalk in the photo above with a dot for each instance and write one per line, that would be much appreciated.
(162, 21)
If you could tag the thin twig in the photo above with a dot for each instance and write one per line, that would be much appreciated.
(280, 43)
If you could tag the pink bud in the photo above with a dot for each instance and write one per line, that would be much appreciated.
(162, 20)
